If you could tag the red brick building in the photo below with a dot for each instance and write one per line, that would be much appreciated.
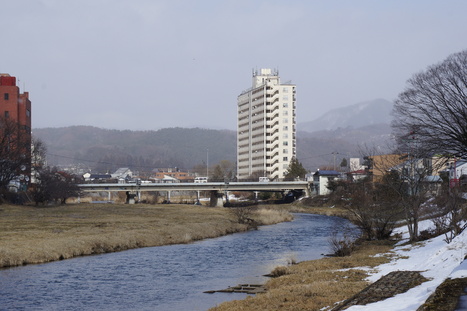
(160, 173)
(13, 104)
(15, 112)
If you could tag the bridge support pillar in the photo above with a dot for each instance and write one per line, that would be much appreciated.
(198, 196)
(214, 199)
(130, 198)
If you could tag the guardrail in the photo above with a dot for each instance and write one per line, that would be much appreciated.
(218, 186)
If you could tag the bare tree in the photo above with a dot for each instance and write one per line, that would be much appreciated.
(433, 108)
(15, 146)
(450, 212)
(224, 171)
(372, 206)
(54, 186)
(38, 158)
(405, 175)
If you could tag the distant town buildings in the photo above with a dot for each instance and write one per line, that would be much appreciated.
(266, 127)
(180, 176)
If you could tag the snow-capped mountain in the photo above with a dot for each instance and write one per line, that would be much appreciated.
(362, 114)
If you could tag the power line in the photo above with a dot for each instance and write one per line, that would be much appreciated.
(316, 156)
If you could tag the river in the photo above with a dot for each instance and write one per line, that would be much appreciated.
(167, 277)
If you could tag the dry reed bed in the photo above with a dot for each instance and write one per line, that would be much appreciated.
(314, 285)
(30, 235)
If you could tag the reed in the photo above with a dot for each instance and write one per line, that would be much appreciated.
(30, 235)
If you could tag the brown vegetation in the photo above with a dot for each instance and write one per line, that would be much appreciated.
(313, 285)
(31, 235)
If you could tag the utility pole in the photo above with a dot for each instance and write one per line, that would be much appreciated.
(334, 153)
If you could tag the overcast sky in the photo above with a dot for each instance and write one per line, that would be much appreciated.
(150, 64)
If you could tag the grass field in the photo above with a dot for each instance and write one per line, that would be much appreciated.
(30, 235)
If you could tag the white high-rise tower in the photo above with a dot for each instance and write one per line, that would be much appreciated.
(265, 127)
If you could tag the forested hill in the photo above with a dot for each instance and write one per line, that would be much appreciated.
(105, 150)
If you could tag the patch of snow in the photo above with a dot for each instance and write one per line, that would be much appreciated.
(434, 258)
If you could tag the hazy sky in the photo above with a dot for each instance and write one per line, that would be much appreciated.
(150, 64)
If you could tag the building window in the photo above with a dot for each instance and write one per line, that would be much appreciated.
(285, 143)
(28, 113)
(6, 96)
(285, 113)
(285, 105)
(285, 151)
(285, 159)
(7, 114)
(285, 128)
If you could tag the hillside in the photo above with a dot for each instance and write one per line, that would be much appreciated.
(345, 132)
(319, 148)
(105, 150)
(341, 134)
(373, 112)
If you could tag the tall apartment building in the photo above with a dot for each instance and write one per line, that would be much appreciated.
(266, 127)
(16, 106)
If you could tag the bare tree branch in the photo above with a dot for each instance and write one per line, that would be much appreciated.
(433, 108)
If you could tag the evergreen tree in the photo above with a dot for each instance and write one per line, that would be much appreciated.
(295, 170)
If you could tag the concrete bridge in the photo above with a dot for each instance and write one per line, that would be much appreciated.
(217, 189)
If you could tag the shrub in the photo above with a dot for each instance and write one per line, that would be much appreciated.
(279, 271)
(342, 245)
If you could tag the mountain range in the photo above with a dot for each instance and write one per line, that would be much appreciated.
(339, 133)
(362, 114)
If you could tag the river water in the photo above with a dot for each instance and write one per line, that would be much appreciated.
(167, 277)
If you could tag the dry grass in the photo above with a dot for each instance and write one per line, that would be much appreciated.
(313, 285)
(298, 207)
(31, 235)
(269, 216)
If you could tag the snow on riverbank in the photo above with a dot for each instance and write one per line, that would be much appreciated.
(436, 260)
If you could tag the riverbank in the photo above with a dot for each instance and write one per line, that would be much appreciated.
(31, 235)
(342, 283)
(316, 284)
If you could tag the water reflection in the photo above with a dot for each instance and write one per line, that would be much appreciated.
(168, 277)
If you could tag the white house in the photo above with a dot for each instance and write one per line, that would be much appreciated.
(321, 179)
(169, 179)
(123, 172)
(357, 175)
